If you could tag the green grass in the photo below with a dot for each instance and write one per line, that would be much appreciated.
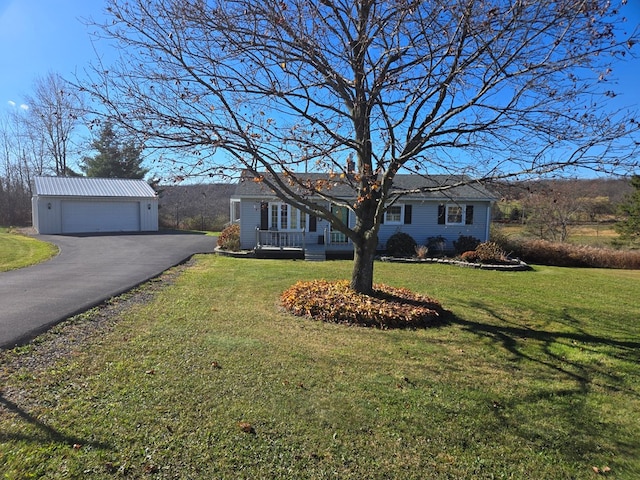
(18, 251)
(535, 376)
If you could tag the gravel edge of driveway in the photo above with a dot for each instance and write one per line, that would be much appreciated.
(61, 340)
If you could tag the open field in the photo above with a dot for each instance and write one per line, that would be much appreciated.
(596, 235)
(535, 376)
(17, 251)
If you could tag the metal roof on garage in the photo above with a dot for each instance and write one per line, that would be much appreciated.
(92, 187)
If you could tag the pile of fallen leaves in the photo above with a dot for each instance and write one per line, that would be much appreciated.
(387, 307)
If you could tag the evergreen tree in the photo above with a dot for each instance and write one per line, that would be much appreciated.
(114, 159)
(629, 209)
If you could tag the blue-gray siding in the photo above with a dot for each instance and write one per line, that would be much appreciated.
(424, 224)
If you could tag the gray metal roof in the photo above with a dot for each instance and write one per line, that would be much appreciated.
(91, 187)
(248, 188)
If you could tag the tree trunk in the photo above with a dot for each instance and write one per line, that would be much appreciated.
(363, 257)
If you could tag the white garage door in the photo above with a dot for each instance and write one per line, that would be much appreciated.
(100, 216)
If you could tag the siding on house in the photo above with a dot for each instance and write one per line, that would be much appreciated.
(423, 215)
(250, 220)
(424, 224)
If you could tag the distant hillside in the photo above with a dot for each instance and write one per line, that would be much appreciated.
(206, 206)
(612, 188)
(540, 204)
(195, 207)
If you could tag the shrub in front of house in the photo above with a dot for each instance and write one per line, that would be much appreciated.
(465, 243)
(229, 238)
(437, 245)
(509, 243)
(401, 244)
(336, 302)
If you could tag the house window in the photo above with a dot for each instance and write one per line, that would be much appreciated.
(398, 214)
(455, 215)
(393, 214)
(235, 210)
(284, 217)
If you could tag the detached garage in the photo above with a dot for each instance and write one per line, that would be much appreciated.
(93, 205)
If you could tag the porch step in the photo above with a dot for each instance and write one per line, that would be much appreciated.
(316, 253)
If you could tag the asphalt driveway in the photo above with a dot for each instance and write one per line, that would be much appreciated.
(89, 270)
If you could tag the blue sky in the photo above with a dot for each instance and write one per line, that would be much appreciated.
(41, 36)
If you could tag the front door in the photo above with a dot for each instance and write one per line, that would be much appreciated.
(343, 214)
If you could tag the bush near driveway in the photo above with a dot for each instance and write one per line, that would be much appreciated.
(229, 238)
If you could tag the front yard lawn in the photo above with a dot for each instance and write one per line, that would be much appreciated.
(535, 376)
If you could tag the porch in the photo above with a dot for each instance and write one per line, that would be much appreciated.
(300, 244)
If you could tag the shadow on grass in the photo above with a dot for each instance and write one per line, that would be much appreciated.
(561, 405)
(51, 434)
(516, 339)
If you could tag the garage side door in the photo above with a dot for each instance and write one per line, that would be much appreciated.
(100, 216)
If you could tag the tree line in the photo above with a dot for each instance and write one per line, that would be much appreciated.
(49, 134)
(549, 209)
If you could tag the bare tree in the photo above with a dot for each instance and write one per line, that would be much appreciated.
(55, 111)
(553, 209)
(15, 171)
(491, 88)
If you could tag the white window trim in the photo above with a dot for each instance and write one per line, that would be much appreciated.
(235, 209)
(279, 218)
(394, 222)
(462, 217)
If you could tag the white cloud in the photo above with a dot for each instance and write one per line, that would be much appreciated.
(22, 106)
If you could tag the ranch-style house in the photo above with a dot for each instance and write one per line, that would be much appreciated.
(272, 227)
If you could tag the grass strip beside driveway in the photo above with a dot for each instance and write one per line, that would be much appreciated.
(18, 251)
(535, 377)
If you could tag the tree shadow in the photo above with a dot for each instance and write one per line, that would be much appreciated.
(49, 433)
(562, 395)
(514, 337)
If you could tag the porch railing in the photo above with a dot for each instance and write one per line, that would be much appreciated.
(278, 239)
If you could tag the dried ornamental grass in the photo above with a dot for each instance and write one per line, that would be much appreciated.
(336, 302)
(490, 252)
(568, 255)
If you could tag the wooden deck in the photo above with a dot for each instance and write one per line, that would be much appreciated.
(303, 245)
